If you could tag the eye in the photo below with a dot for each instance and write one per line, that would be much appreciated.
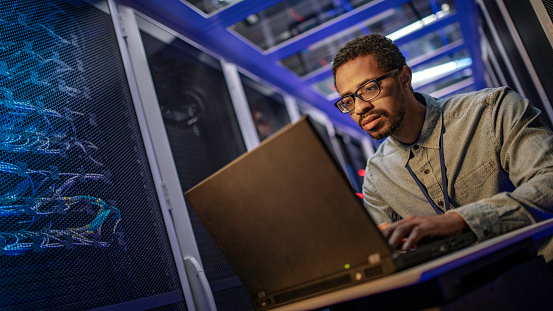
(371, 88)
(347, 102)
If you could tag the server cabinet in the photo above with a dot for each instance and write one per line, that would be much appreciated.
(81, 221)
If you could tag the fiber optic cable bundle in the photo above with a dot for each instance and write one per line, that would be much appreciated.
(46, 200)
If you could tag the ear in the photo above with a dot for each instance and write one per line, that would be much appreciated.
(405, 75)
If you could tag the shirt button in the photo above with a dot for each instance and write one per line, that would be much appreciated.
(416, 147)
(440, 203)
(426, 171)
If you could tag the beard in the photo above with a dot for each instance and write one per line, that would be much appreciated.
(392, 124)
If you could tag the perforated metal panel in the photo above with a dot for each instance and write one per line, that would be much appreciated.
(80, 222)
(233, 299)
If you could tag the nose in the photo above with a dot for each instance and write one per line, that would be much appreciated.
(362, 106)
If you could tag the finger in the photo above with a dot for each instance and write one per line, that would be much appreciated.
(414, 237)
(389, 228)
(400, 232)
(383, 226)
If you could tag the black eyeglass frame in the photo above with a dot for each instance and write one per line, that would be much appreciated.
(337, 104)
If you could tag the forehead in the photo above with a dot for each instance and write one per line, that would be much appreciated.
(355, 72)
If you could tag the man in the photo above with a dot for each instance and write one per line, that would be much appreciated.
(488, 149)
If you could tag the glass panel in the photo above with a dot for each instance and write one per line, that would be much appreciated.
(395, 23)
(268, 109)
(400, 21)
(428, 43)
(291, 18)
(457, 77)
(438, 68)
(319, 55)
(210, 6)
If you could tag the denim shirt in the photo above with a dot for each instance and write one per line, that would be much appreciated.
(498, 159)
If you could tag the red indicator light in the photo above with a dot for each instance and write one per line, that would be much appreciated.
(361, 172)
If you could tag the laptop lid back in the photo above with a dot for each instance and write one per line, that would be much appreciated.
(285, 214)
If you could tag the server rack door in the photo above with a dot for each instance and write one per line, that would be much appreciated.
(81, 225)
(201, 128)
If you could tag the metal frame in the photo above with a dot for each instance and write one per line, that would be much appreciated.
(292, 108)
(544, 18)
(241, 107)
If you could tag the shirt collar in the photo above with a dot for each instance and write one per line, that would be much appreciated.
(429, 136)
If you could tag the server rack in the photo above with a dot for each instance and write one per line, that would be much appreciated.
(83, 223)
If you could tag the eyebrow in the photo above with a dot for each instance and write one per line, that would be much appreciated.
(358, 87)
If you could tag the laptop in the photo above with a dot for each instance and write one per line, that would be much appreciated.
(289, 223)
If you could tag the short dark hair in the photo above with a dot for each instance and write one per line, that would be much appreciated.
(386, 53)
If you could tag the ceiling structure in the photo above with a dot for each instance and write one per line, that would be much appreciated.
(290, 44)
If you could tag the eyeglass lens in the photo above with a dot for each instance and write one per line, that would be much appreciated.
(366, 93)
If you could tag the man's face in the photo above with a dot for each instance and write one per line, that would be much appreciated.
(381, 116)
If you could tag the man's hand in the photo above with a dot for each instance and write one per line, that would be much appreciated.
(406, 233)
(383, 226)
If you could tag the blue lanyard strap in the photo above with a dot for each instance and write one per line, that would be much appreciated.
(444, 180)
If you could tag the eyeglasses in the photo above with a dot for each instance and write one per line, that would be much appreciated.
(369, 90)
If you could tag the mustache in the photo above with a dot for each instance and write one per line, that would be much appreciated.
(378, 112)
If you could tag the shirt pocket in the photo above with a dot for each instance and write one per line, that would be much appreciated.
(471, 186)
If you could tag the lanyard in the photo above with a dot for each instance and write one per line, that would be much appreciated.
(444, 180)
